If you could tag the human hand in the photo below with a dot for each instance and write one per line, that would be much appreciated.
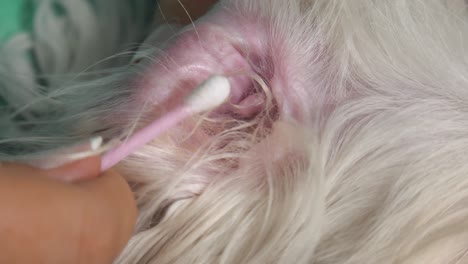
(87, 219)
(184, 11)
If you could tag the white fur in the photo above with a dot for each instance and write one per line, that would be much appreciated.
(376, 174)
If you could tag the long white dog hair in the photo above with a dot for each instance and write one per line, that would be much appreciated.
(376, 173)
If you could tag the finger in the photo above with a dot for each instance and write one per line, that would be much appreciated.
(57, 222)
(111, 208)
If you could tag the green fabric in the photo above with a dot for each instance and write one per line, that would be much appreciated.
(11, 22)
(11, 13)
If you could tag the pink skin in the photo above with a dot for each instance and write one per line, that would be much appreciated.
(221, 43)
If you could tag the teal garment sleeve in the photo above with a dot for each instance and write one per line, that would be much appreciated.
(11, 12)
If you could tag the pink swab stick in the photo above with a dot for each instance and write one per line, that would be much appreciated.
(209, 95)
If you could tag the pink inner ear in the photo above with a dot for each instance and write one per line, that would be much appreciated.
(216, 46)
(250, 106)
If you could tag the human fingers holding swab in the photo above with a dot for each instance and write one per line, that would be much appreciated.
(209, 95)
(69, 214)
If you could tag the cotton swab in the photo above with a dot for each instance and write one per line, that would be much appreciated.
(209, 95)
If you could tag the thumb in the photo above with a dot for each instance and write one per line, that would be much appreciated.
(86, 222)
(111, 212)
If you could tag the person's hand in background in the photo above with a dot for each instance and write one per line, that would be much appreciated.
(184, 11)
(87, 219)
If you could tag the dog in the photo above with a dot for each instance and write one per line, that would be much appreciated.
(345, 140)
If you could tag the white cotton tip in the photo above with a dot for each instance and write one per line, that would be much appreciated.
(210, 94)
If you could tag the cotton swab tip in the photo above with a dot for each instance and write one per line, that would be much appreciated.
(210, 94)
